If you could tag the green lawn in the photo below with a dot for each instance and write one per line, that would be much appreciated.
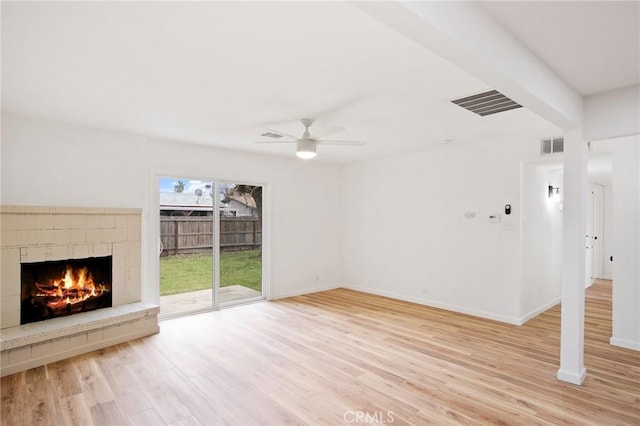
(180, 274)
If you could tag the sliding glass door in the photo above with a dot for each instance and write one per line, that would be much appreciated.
(240, 243)
(211, 244)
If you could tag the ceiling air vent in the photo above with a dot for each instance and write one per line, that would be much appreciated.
(486, 103)
(551, 146)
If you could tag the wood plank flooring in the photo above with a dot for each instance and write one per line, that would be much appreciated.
(337, 357)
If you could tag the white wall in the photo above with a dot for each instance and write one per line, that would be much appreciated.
(406, 234)
(541, 239)
(626, 242)
(393, 226)
(46, 163)
(612, 114)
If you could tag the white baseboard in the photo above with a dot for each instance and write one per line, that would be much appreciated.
(539, 310)
(426, 302)
(624, 343)
(572, 377)
(453, 308)
(305, 291)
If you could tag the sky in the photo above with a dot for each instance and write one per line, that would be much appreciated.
(190, 185)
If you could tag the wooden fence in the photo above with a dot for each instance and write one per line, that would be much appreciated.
(184, 235)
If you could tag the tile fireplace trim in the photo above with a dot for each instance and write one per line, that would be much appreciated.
(66, 210)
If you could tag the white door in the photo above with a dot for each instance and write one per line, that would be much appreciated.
(598, 228)
(589, 238)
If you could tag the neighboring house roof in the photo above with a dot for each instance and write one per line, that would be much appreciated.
(245, 199)
(190, 201)
(185, 201)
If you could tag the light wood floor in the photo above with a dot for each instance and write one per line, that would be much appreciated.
(337, 357)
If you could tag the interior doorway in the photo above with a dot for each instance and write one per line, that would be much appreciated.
(210, 244)
(594, 234)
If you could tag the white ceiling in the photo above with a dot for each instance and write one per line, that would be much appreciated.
(211, 73)
(594, 46)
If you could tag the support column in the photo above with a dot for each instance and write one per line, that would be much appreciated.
(574, 225)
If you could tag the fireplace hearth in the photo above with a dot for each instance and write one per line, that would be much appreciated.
(60, 288)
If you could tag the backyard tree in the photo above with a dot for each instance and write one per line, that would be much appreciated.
(253, 191)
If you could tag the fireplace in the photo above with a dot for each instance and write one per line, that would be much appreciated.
(60, 288)
(49, 245)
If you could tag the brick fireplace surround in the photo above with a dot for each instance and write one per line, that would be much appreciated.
(36, 234)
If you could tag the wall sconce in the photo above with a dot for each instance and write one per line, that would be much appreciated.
(554, 193)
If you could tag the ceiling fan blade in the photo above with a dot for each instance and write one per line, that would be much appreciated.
(281, 133)
(275, 141)
(340, 142)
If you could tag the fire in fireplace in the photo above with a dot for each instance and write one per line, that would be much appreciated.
(61, 288)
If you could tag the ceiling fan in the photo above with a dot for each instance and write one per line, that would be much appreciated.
(306, 145)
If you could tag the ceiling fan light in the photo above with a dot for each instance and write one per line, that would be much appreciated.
(306, 149)
(305, 155)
